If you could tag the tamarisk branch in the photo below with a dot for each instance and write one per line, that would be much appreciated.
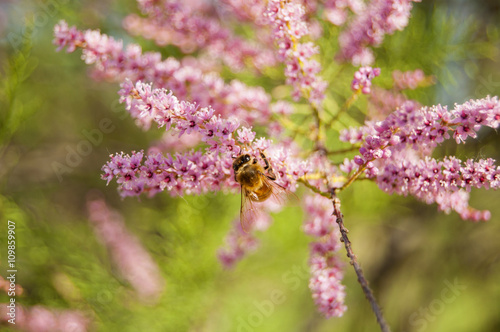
(359, 272)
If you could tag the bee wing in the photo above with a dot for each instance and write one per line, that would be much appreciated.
(249, 212)
(279, 194)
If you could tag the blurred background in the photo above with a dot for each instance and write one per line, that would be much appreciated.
(429, 271)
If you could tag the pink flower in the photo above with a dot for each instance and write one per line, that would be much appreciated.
(206, 172)
(408, 79)
(238, 244)
(336, 10)
(326, 269)
(444, 182)
(133, 261)
(363, 79)
(43, 319)
(289, 26)
(112, 62)
(396, 152)
(209, 119)
(191, 26)
(380, 17)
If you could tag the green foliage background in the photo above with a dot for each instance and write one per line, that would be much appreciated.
(407, 249)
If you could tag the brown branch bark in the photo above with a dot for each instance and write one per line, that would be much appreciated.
(359, 272)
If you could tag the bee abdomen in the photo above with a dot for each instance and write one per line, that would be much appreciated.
(263, 193)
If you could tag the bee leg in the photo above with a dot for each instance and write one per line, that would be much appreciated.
(271, 175)
(263, 156)
(253, 196)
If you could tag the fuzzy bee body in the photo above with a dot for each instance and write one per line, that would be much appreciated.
(257, 185)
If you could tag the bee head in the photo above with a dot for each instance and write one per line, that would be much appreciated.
(240, 161)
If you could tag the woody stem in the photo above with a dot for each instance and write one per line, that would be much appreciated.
(357, 268)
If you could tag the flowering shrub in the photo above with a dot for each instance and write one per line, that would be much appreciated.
(215, 119)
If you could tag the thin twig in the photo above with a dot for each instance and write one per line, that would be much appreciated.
(344, 107)
(353, 178)
(353, 148)
(359, 272)
(313, 188)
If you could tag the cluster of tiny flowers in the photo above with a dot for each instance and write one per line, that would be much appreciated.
(331, 175)
(162, 107)
(409, 79)
(427, 127)
(5, 286)
(237, 244)
(363, 79)
(383, 102)
(201, 114)
(41, 319)
(187, 81)
(302, 72)
(171, 142)
(336, 10)
(191, 172)
(190, 27)
(326, 270)
(133, 261)
(248, 11)
(386, 146)
(187, 173)
(380, 17)
(445, 182)
(194, 172)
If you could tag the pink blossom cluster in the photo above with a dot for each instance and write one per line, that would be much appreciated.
(380, 17)
(302, 72)
(408, 79)
(363, 79)
(187, 81)
(383, 102)
(133, 261)
(336, 11)
(386, 152)
(188, 173)
(248, 11)
(190, 26)
(208, 122)
(326, 269)
(238, 244)
(170, 142)
(42, 319)
(427, 127)
(191, 172)
(445, 182)
(5, 286)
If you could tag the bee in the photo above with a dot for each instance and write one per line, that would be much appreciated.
(257, 185)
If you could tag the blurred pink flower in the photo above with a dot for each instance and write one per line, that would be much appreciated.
(42, 319)
(133, 261)
(369, 27)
